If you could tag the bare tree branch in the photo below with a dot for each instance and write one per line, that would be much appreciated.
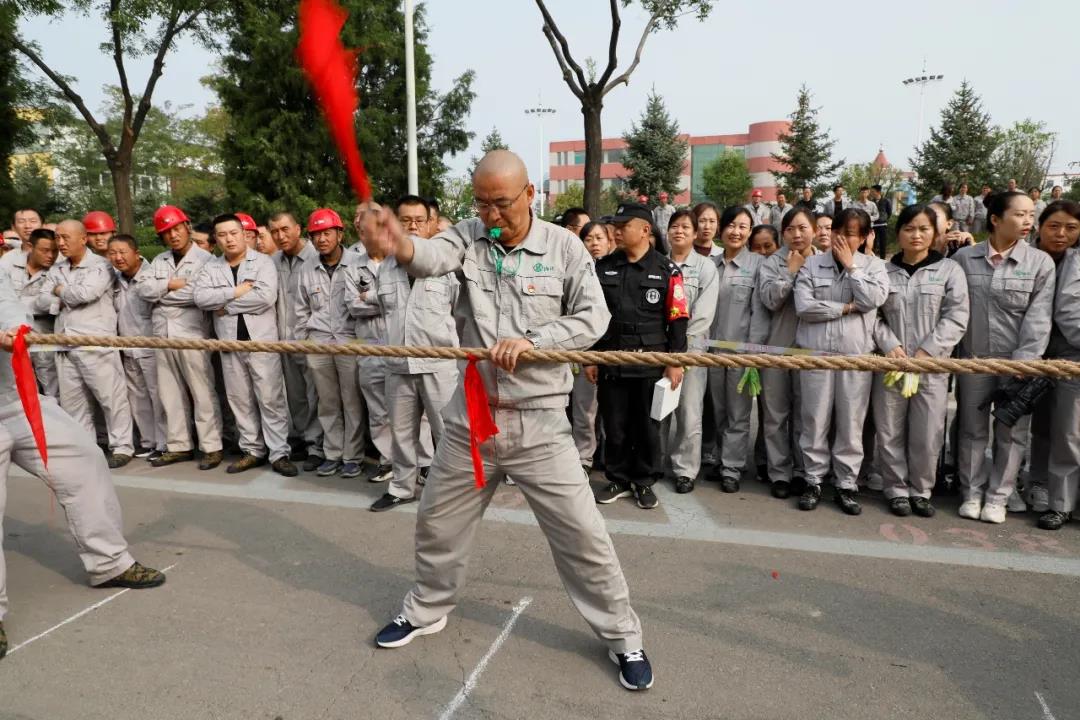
(108, 149)
(567, 58)
(625, 77)
(174, 28)
(568, 75)
(613, 59)
(118, 58)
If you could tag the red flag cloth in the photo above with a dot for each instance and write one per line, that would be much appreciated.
(26, 385)
(331, 70)
(481, 424)
(677, 306)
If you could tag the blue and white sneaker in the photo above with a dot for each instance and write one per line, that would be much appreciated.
(635, 672)
(351, 470)
(328, 468)
(401, 632)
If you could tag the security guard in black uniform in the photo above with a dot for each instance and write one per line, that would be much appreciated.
(644, 292)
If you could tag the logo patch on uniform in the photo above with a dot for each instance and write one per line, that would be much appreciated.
(652, 296)
(655, 277)
(541, 267)
(678, 292)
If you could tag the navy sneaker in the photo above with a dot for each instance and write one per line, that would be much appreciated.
(328, 468)
(351, 470)
(635, 672)
(401, 632)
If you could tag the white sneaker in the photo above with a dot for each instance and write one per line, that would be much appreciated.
(1016, 503)
(1038, 499)
(993, 514)
(970, 509)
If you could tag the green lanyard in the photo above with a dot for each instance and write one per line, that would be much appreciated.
(498, 259)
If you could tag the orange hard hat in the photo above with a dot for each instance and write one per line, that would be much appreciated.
(98, 221)
(168, 216)
(323, 219)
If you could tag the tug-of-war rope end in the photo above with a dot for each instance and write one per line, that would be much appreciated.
(864, 363)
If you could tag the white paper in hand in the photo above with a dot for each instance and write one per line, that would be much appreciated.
(664, 399)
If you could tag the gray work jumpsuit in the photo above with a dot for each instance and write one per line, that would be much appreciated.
(134, 319)
(28, 287)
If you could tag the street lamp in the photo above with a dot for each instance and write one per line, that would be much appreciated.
(410, 103)
(922, 81)
(539, 112)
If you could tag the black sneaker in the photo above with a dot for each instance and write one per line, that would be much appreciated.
(136, 577)
(781, 489)
(143, 453)
(3, 641)
(646, 498)
(380, 473)
(810, 497)
(921, 507)
(1053, 520)
(684, 485)
(729, 484)
(118, 460)
(388, 501)
(154, 456)
(763, 473)
(899, 506)
(421, 478)
(847, 502)
(611, 493)
(312, 463)
(402, 632)
(635, 671)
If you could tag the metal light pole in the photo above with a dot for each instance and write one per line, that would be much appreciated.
(410, 102)
(539, 112)
(922, 81)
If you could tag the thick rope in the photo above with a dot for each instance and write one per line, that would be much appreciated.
(866, 363)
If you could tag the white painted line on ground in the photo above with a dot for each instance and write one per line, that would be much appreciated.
(698, 526)
(1047, 715)
(76, 616)
(474, 677)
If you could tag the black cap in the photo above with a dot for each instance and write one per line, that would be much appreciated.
(629, 211)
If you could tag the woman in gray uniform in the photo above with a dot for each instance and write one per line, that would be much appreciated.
(925, 315)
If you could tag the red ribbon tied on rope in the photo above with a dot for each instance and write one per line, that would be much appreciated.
(26, 385)
(481, 424)
(331, 70)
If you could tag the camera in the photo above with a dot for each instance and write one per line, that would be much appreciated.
(1017, 398)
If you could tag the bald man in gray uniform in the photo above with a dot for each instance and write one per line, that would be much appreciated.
(530, 286)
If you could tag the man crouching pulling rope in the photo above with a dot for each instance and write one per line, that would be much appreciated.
(525, 284)
(77, 474)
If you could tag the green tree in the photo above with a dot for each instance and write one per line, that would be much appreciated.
(590, 89)
(277, 151)
(853, 177)
(492, 141)
(805, 151)
(135, 28)
(655, 154)
(960, 149)
(11, 125)
(573, 197)
(727, 180)
(1024, 153)
(456, 198)
(33, 188)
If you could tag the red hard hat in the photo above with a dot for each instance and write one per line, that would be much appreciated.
(168, 216)
(247, 221)
(98, 221)
(756, 193)
(643, 199)
(323, 219)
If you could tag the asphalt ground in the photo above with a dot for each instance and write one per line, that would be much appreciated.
(751, 609)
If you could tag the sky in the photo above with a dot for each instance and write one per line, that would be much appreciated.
(743, 64)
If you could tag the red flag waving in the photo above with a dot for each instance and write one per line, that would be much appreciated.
(331, 70)
(26, 385)
(481, 424)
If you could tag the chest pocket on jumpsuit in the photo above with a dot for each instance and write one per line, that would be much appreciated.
(1016, 293)
(742, 287)
(930, 297)
(435, 293)
(542, 297)
(823, 287)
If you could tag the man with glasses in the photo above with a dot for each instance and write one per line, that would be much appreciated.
(525, 284)
(575, 218)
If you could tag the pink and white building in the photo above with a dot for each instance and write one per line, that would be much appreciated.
(757, 144)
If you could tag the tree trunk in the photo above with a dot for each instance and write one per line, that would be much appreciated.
(594, 153)
(125, 206)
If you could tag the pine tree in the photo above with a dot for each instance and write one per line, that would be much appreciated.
(655, 154)
(727, 180)
(806, 150)
(960, 149)
(492, 141)
(277, 151)
(11, 125)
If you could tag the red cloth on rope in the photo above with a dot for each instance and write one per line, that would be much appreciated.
(331, 70)
(481, 424)
(26, 385)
